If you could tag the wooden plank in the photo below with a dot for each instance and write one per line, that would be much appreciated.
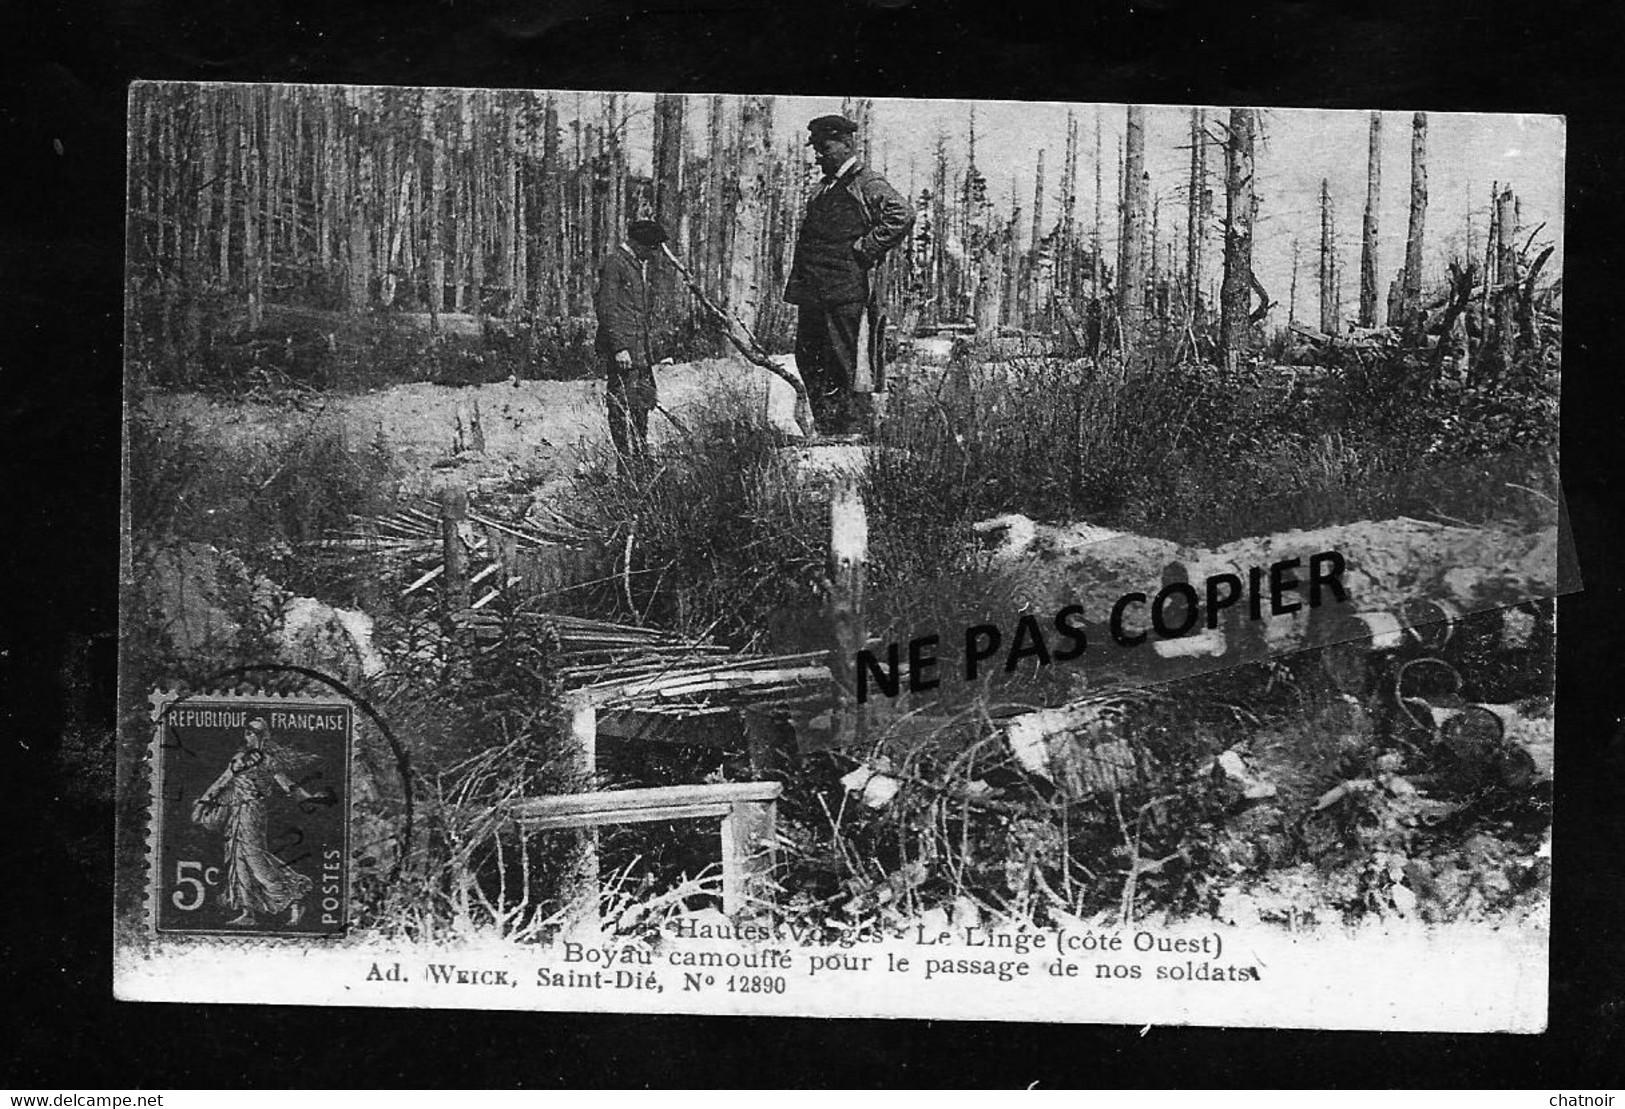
(643, 815)
(424, 580)
(689, 682)
(657, 797)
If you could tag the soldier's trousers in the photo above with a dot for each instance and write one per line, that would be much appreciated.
(631, 396)
(827, 357)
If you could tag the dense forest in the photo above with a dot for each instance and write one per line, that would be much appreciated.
(492, 206)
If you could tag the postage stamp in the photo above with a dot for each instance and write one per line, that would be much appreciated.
(251, 815)
(783, 555)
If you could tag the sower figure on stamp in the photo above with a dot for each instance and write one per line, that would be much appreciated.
(236, 804)
(621, 300)
(853, 220)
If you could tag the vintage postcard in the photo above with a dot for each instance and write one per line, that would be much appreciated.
(618, 551)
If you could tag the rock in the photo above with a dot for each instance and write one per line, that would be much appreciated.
(334, 641)
(1077, 747)
(215, 613)
(875, 789)
(209, 606)
(1230, 768)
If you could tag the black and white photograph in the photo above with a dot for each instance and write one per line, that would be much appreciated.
(799, 555)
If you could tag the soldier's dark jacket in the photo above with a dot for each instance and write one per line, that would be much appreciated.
(621, 300)
(848, 228)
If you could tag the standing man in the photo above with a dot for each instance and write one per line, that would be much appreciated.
(853, 219)
(624, 339)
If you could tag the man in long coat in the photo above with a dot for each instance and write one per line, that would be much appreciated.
(853, 220)
(621, 300)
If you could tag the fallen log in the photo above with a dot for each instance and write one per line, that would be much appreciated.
(1417, 572)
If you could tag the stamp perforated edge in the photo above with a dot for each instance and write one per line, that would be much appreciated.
(162, 700)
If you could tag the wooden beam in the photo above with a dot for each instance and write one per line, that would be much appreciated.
(693, 682)
(597, 817)
(748, 811)
(607, 806)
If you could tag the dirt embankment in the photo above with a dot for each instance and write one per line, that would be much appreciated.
(534, 431)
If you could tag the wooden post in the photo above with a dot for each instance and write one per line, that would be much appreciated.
(848, 558)
(581, 892)
(454, 548)
(748, 836)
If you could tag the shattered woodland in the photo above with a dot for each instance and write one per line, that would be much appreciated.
(857, 557)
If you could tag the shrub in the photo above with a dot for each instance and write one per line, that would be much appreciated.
(264, 497)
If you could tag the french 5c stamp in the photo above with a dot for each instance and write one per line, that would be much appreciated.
(251, 815)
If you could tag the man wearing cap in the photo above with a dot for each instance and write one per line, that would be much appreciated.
(624, 340)
(853, 219)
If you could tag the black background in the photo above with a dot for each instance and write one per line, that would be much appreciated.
(63, 73)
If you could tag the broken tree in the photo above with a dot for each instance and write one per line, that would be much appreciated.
(1238, 234)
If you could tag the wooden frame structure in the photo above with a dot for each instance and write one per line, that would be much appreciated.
(748, 811)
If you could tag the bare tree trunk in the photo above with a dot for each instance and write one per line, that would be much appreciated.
(667, 169)
(435, 293)
(1035, 241)
(1131, 289)
(1238, 235)
(1066, 249)
(513, 246)
(202, 168)
(229, 144)
(248, 158)
(716, 220)
(1328, 263)
(1337, 276)
(745, 265)
(1369, 231)
(1196, 225)
(553, 239)
(1506, 278)
(478, 209)
(331, 181)
(1097, 264)
(1010, 263)
(1492, 254)
(1292, 296)
(1153, 307)
(939, 231)
(1411, 288)
(359, 225)
(615, 147)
